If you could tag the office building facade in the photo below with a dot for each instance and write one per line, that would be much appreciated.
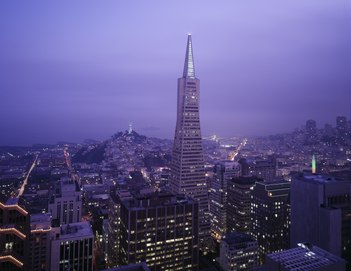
(65, 204)
(238, 252)
(160, 230)
(270, 216)
(224, 172)
(239, 203)
(324, 216)
(72, 247)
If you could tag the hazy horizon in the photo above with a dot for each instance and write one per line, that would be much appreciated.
(72, 71)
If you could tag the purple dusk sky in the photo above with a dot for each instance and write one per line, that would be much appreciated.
(72, 70)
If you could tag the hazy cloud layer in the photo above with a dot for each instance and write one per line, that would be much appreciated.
(75, 70)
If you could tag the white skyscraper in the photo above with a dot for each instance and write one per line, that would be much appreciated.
(65, 203)
(187, 167)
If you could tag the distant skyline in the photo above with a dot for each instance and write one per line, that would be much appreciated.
(70, 71)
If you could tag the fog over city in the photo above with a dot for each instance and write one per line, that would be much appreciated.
(71, 71)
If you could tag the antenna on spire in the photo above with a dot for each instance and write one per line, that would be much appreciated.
(130, 128)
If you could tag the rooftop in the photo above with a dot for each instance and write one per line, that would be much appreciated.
(130, 267)
(78, 230)
(157, 199)
(246, 180)
(237, 239)
(40, 221)
(320, 178)
(275, 185)
(305, 257)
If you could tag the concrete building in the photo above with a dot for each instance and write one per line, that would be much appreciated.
(160, 230)
(323, 217)
(305, 257)
(114, 223)
(239, 203)
(270, 215)
(238, 251)
(40, 243)
(263, 169)
(72, 247)
(224, 172)
(65, 204)
(187, 166)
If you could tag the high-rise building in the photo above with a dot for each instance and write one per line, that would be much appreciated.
(187, 166)
(72, 247)
(310, 132)
(224, 172)
(305, 257)
(160, 230)
(264, 169)
(270, 215)
(114, 223)
(342, 129)
(321, 213)
(39, 243)
(65, 203)
(238, 252)
(14, 235)
(239, 203)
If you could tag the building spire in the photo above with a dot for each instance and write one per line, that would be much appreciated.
(189, 68)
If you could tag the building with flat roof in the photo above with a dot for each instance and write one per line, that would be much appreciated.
(238, 251)
(305, 257)
(224, 172)
(321, 213)
(239, 203)
(72, 247)
(130, 267)
(39, 242)
(161, 230)
(270, 216)
(114, 224)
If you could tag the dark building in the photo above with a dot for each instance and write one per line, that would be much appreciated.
(14, 235)
(7, 187)
(239, 203)
(264, 169)
(238, 252)
(161, 230)
(224, 172)
(130, 267)
(114, 223)
(321, 213)
(40, 242)
(310, 132)
(270, 215)
(342, 130)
